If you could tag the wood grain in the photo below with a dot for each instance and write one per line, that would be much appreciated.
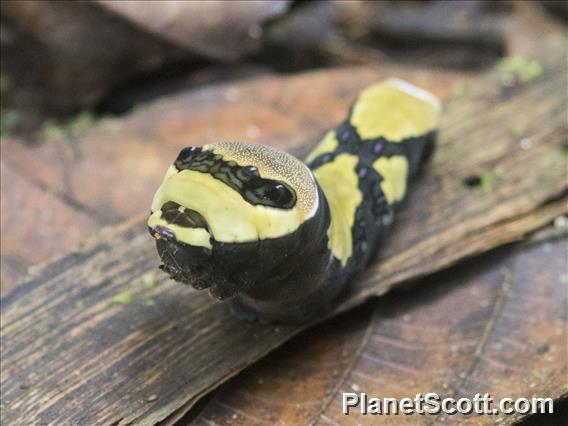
(74, 352)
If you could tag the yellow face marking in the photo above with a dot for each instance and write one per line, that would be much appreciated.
(395, 110)
(339, 183)
(394, 171)
(229, 217)
(328, 144)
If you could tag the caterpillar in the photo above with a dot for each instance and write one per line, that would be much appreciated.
(280, 238)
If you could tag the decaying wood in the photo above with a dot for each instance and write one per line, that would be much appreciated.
(94, 338)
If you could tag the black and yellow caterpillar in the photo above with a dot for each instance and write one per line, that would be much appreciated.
(281, 238)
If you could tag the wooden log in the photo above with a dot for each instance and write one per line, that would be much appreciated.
(96, 337)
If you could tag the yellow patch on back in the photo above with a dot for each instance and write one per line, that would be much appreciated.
(339, 183)
(395, 110)
(394, 171)
(328, 144)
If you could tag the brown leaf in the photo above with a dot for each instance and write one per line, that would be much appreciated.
(496, 326)
(78, 51)
(291, 385)
(216, 29)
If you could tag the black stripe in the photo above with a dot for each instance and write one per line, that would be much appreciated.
(246, 180)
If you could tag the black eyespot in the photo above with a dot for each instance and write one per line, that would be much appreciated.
(278, 194)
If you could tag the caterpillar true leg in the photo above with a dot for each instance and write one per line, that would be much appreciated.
(280, 238)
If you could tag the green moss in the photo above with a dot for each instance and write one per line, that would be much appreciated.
(459, 89)
(51, 132)
(6, 83)
(137, 109)
(69, 131)
(525, 69)
(489, 179)
(123, 298)
(82, 122)
(149, 280)
(519, 130)
(10, 119)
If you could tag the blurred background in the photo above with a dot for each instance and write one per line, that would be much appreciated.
(98, 96)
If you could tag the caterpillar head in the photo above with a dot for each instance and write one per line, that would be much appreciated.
(228, 214)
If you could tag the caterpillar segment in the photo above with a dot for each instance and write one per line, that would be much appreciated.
(279, 238)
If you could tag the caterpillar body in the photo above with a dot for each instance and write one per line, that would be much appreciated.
(280, 238)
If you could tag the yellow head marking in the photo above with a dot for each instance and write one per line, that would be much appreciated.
(229, 217)
(339, 182)
(394, 171)
(328, 144)
(395, 110)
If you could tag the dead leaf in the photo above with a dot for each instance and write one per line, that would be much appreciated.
(216, 29)
(78, 51)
